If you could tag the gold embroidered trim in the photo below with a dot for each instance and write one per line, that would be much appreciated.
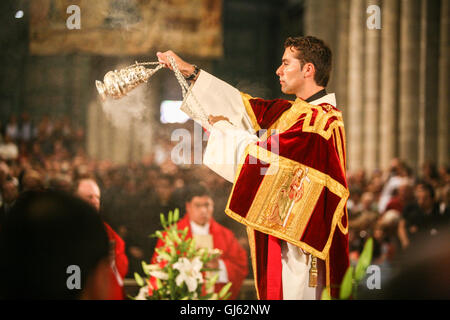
(341, 153)
(257, 216)
(251, 243)
(246, 99)
(327, 275)
(290, 117)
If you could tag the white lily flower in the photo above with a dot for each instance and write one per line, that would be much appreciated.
(189, 272)
(142, 293)
(151, 267)
(159, 274)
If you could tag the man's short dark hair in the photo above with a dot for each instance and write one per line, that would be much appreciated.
(45, 233)
(315, 51)
(196, 190)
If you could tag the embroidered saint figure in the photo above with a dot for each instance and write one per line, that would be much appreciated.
(290, 193)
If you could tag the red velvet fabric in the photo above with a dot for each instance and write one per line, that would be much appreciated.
(339, 261)
(313, 117)
(116, 290)
(234, 256)
(261, 253)
(250, 176)
(310, 149)
(268, 111)
(319, 225)
(329, 122)
(274, 268)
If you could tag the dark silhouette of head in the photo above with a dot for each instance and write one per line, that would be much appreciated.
(46, 233)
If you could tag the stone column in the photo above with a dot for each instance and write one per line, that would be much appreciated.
(321, 22)
(355, 128)
(409, 80)
(340, 59)
(444, 93)
(429, 75)
(389, 82)
(371, 95)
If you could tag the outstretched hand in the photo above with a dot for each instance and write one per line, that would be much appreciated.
(213, 119)
(185, 68)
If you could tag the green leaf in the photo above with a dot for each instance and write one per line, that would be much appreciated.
(159, 235)
(224, 290)
(174, 234)
(176, 215)
(364, 260)
(138, 279)
(158, 283)
(228, 295)
(163, 220)
(325, 294)
(206, 297)
(144, 267)
(170, 217)
(212, 281)
(347, 284)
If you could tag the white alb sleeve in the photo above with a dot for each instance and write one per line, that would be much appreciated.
(226, 145)
(218, 98)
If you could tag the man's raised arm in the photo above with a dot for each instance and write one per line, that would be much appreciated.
(216, 97)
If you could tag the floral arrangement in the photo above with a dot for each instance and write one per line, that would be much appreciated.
(180, 272)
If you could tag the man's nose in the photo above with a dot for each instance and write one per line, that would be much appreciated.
(278, 72)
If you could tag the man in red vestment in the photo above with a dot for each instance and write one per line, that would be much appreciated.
(232, 264)
(89, 190)
(286, 160)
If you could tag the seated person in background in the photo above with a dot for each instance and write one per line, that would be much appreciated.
(88, 190)
(46, 235)
(232, 264)
(421, 216)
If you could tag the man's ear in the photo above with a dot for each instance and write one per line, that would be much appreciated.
(309, 70)
(98, 284)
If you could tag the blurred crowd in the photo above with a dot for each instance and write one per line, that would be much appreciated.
(392, 206)
(51, 155)
(397, 207)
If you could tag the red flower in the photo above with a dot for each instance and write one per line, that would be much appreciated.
(162, 263)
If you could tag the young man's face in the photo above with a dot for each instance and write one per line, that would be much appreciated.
(200, 209)
(290, 73)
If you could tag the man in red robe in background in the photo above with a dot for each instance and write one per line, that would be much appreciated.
(286, 160)
(89, 190)
(232, 263)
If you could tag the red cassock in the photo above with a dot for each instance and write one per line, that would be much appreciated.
(120, 267)
(233, 255)
(291, 186)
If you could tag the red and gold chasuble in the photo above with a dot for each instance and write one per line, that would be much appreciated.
(291, 186)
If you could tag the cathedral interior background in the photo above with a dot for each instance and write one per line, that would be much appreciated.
(390, 76)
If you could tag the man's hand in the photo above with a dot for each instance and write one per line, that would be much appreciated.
(213, 119)
(185, 68)
(213, 264)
